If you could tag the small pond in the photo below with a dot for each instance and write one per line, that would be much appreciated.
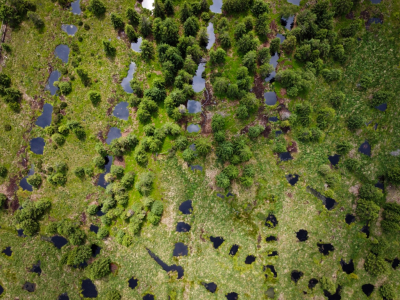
(21, 233)
(186, 207)
(273, 119)
(37, 145)
(102, 181)
(99, 213)
(76, 8)
(1, 290)
(295, 2)
(148, 4)
(199, 83)
(59, 241)
(250, 259)
(126, 81)
(270, 98)
(193, 106)
(196, 167)
(113, 133)
(350, 219)
(63, 297)
(281, 37)
(382, 107)
(94, 228)
(272, 269)
(36, 268)
(220, 195)
(211, 287)
(193, 128)
(69, 29)
(274, 62)
(365, 148)
(7, 251)
(296, 275)
(287, 22)
(271, 238)
(395, 263)
(365, 230)
(367, 289)
(133, 283)
(376, 1)
(348, 268)
(292, 179)
(285, 156)
(148, 297)
(278, 133)
(232, 296)
(121, 111)
(24, 183)
(273, 253)
(95, 250)
(135, 46)
(88, 289)
(165, 267)
(182, 227)
(45, 118)
(329, 203)
(62, 52)
(234, 250)
(302, 235)
(28, 286)
(334, 159)
(271, 221)
(180, 249)
(325, 248)
(211, 34)
(217, 241)
(312, 283)
(54, 76)
(374, 21)
(216, 7)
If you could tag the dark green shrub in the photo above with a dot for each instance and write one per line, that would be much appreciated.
(112, 295)
(217, 123)
(3, 171)
(263, 56)
(218, 56)
(3, 199)
(7, 127)
(387, 291)
(79, 255)
(242, 112)
(266, 69)
(58, 138)
(355, 122)
(232, 6)
(99, 268)
(393, 174)
(274, 46)
(221, 85)
(83, 75)
(35, 180)
(94, 97)
(262, 27)
(376, 265)
(141, 156)
(225, 40)
(145, 183)
(246, 181)
(240, 30)
(181, 142)
(336, 99)
(342, 7)
(186, 12)
(191, 26)
(331, 75)
(99, 161)
(131, 33)
(117, 171)
(109, 49)
(380, 97)
(36, 20)
(157, 208)
(352, 164)
(97, 7)
(233, 91)
(249, 171)
(249, 61)
(289, 44)
(132, 15)
(225, 151)
(247, 43)
(117, 21)
(250, 101)
(147, 49)
(255, 131)
(102, 233)
(158, 10)
(231, 172)
(325, 117)
(169, 7)
(92, 209)
(259, 7)
(188, 155)
(29, 226)
(222, 181)
(203, 146)
(343, 147)
(367, 210)
(366, 80)
(370, 192)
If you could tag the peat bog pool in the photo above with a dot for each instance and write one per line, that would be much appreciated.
(76, 8)
(59, 241)
(292, 179)
(182, 227)
(211, 34)
(186, 207)
(296, 275)
(7, 251)
(133, 283)
(334, 159)
(36, 268)
(37, 145)
(54, 76)
(24, 183)
(329, 203)
(312, 283)
(348, 268)
(367, 289)
(180, 250)
(325, 249)
(272, 269)
(274, 62)
(271, 238)
(216, 7)
(193, 106)
(270, 98)
(232, 296)
(217, 241)
(121, 111)
(271, 221)
(44, 119)
(62, 52)
(234, 250)
(196, 167)
(193, 128)
(63, 297)
(126, 81)
(250, 259)
(69, 29)
(199, 83)
(365, 148)
(211, 287)
(88, 289)
(136, 45)
(94, 228)
(107, 168)
(28, 286)
(302, 235)
(350, 219)
(287, 22)
(285, 156)
(113, 133)
(95, 250)
(166, 267)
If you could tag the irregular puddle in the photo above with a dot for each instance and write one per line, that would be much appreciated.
(21, 233)
(194, 106)
(367, 289)
(365, 230)
(59, 241)
(186, 207)
(148, 297)
(365, 148)
(325, 248)
(217, 241)
(126, 81)
(287, 22)
(76, 8)
(271, 238)
(165, 267)
(99, 213)
(278, 133)
(334, 159)
(182, 227)
(285, 156)
(63, 297)
(196, 167)
(234, 250)
(272, 269)
(180, 250)
(113, 134)
(136, 45)
(335, 296)
(133, 283)
(250, 259)
(1, 290)
(350, 219)
(199, 83)
(95, 250)
(296, 275)
(30, 287)
(271, 221)
(220, 195)
(44, 119)
(54, 76)
(270, 98)
(273, 253)
(88, 289)
(328, 202)
(381, 107)
(273, 119)
(193, 128)
(281, 37)
(211, 35)
(36, 268)
(295, 2)
(37, 145)
(216, 7)
(148, 4)
(102, 181)
(121, 111)
(312, 283)
(94, 228)
(211, 287)
(274, 62)
(24, 183)
(7, 251)
(233, 295)
(292, 179)
(62, 52)
(302, 235)
(69, 29)
(347, 267)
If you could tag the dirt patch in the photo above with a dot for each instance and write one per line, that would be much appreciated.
(110, 110)
(101, 137)
(206, 123)
(113, 268)
(115, 78)
(267, 131)
(350, 15)
(365, 15)
(258, 88)
(393, 194)
(292, 148)
(261, 116)
(354, 189)
(284, 113)
(83, 217)
(119, 161)
(201, 235)
(273, 26)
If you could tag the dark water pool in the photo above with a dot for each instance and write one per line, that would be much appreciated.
(113, 134)
(285, 156)
(334, 159)
(69, 29)
(196, 167)
(133, 283)
(295, 2)
(220, 195)
(36, 268)
(325, 248)
(148, 297)
(382, 107)
(348, 268)
(216, 7)
(274, 62)
(121, 111)
(367, 289)
(296, 275)
(374, 21)
(136, 45)
(59, 241)
(7, 251)
(270, 98)
(194, 106)
(63, 297)
(199, 83)
(312, 283)
(273, 253)
(182, 227)
(302, 235)
(186, 207)
(335, 296)
(350, 219)
(232, 296)
(76, 8)
(250, 259)
(278, 133)
(376, 1)
(234, 250)
(272, 269)
(54, 76)
(37, 145)
(193, 128)
(28, 286)
(148, 4)
(292, 179)
(395, 263)
(217, 241)
(287, 22)
(271, 238)
(102, 182)
(44, 119)
(99, 213)
(180, 249)
(365, 230)
(211, 287)
(21, 233)
(271, 221)
(95, 250)
(329, 203)
(94, 228)
(273, 119)
(281, 37)
(62, 52)
(88, 289)
(165, 267)
(24, 183)
(211, 35)
(365, 148)
(125, 82)
(1, 290)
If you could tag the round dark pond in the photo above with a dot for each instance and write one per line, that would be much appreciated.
(365, 230)
(125, 82)
(196, 167)
(133, 283)
(271, 238)
(36, 268)
(148, 297)
(149, 5)
(37, 145)
(62, 52)
(234, 250)
(54, 76)
(347, 267)
(285, 156)
(95, 250)
(45, 118)
(69, 29)
(21, 233)
(7, 251)
(296, 275)
(382, 107)
(194, 106)
(278, 133)
(380, 185)
(182, 227)
(136, 45)
(365, 148)
(217, 241)
(211, 35)
(271, 221)
(1, 290)
(211, 287)
(102, 182)
(30, 287)
(274, 62)
(59, 241)
(199, 83)
(186, 207)
(94, 228)
(113, 134)
(193, 128)
(334, 159)
(325, 248)
(99, 213)
(233, 295)
(24, 183)
(63, 297)
(350, 219)
(292, 179)
(270, 98)
(250, 259)
(367, 289)
(180, 249)
(272, 269)
(302, 235)
(76, 8)
(287, 22)
(216, 7)
(273, 253)
(88, 289)
(273, 119)
(395, 263)
(121, 111)
(312, 283)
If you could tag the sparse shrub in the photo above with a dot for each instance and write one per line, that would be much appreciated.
(242, 112)
(231, 171)
(92, 209)
(131, 33)
(352, 164)
(366, 80)
(222, 181)
(255, 131)
(355, 122)
(99, 268)
(94, 97)
(102, 233)
(132, 15)
(370, 192)
(325, 117)
(191, 26)
(246, 181)
(112, 294)
(376, 265)
(145, 183)
(35, 180)
(380, 97)
(393, 174)
(331, 75)
(249, 171)
(58, 138)
(217, 123)
(181, 142)
(36, 20)
(336, 99)
(188, 155)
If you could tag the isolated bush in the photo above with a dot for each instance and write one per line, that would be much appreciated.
(250, 101)
(131, 33)
(336, 99)
(58, 138)
(242, 112)
(325, 117)
(3, 171)
(370, 192)
(249, 61)
(387, 291)
(266, 69)
(65, 87)
(376, 265)
(188, 155)
(367, 210)
(221, 85)
(218, 56)
(225, 151)
(259, 7)
(249, 171)
(343, 147)
(263, 56)
(342, 7)
(181, 142)
(393, 174)
(97, 7)
(94, 97)
(355, 122)
(145, 183)
(157, 208)
(240, 30)
(132, 15)
(36, 20)
(246, 181)
(289, 44)
(191, 26)
(247, 43)
(225, 40)
(117, 21)
(29, 226)
(217, 123)
(35, 180)
(222, 181)
(231, 171)
(99, 268)
(232, 6)
(147, 49)
(255, 131)
(203, 146)
(99, 161)
(328, 285)
(109, 49)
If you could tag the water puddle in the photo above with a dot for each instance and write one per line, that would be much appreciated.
(217, 241)
(99, 213)
(24, 183)
(367, 289)
(373, 21)
(148, 297)
(7, 251)
(95, 250)
(281, 37)
(121, 111)
(44, 119)
(196, 167)
(287, 22)
(312, 283)
(271, 238)
(302, 235)
(136, 45)
(194, 106)
(28, 286)
(376, 1)
(395, 153)
(296, 275)
(395, 263)
(271, 221)
(62, 52)
(335, 296)
(347, 267)
(211, 35)
(273, 253)
(292, 179)
(94, 228)
(381, 107)
(76, 8)
(182, 227)
(186, 207)
(193, 128)
(278, 133)
(365, 230)
(102, 181)
(350, 219)
(69, 29)
(220, 195)
(272, 269)
(270, 98)
(88, 289)
(59, 241)
(233, 295)
(329, 203)
(274, 62)
(165, 267)
(36, 268)
(1, 290)
(125, 82)
(211, 287)
(295, 2)
(234, 250)
(273, 119)
(37, 145)
(113, 134)
(21, 233)
(376, 126)
(148, 4)
(54, 76)
(63, 297)
(133, 283)
(180, 250)
(216, 7)
(325, 248)
(334, 159)
(365, 148)
(250, 259)
(199, 83)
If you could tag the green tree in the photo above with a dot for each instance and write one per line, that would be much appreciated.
(367, 210)
(186, 12)
(109, 49)
(99, 268)
(336, 99)
(274, 46)
(259, 7)
(355, 122)
(203, 146)
(343, 147)
(249, 61)
(130, 33)
(188, 155)
(387, 291)
(117, 21)
(145, 26)
(393, 174)
(225, 40)
(94, 97)
(169, 7)
(191, 26)
(376, 265)
(231, 171)
(97, 7)
(147, 49)
(158, 10)
(342, 7)
(222, 181)
(218, 123)
(133, 16)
